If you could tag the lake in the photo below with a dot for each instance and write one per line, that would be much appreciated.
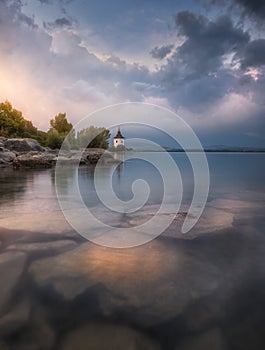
(204, 289)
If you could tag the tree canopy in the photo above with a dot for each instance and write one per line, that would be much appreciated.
(93, 137)
(61, 124)
(60, 128)
(13, 124)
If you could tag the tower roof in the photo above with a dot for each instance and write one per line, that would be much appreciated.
(119, 135)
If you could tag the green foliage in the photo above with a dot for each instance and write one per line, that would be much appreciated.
(61, 124)
(13, 124)
(54, 139)
(60, 128)
(93, 137)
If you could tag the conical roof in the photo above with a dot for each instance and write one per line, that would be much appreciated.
(119, 135)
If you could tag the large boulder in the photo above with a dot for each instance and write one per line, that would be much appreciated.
(6, 156)
(23, 145)
(2, 141)
(35, 160)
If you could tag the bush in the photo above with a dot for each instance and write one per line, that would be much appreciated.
(54, 139)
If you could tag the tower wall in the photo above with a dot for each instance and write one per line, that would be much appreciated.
(117, 142)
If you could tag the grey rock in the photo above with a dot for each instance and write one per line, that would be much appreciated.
(2, 141)
(86, 156)
(105, 337)
(6, 156)
(23, 145)
(11, 268)
(93, 155)
(34, 160)
(28, 153)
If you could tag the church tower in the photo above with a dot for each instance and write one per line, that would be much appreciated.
(118, 139)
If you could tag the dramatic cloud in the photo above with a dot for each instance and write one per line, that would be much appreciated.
(45, 1)
(207, 67)
(161, 52)
(207, 42)
(254, 8)
(59, 23)
(195, 75)
(253, 54)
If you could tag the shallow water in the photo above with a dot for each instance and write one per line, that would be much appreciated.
(204, 289)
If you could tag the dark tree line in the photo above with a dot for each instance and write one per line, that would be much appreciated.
(14, 125)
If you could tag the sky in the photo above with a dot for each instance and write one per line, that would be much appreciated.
(204, 60)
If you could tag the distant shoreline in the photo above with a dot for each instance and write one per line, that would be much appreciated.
(204, 150)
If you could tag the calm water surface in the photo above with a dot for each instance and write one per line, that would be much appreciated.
(203, 290)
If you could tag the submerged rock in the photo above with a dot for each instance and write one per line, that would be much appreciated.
(15, 318)
(203, 313)
(38, 335)
(153, 283)
(3, 346)
(105, 337)
(54, 247)
(11, 268)
(212, 340)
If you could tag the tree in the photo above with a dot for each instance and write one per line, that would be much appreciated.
(54, 139)
(61, 124)
(13, 124)
(94, 137)
(60, 128)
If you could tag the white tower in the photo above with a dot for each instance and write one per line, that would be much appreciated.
(118, 139)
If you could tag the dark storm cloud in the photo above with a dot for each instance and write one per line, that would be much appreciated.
(213, 72)
(195, 76)
(207, 42)
(253, 54)
(45, 1)
(161, 52)
(62, 22)
(253, 8)
(27, 20)
(48, 2)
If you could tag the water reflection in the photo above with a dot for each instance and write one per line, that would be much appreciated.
(62, 292)
(25, 192)
(12, 184)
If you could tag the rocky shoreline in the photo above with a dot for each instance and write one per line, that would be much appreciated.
(28, 153)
